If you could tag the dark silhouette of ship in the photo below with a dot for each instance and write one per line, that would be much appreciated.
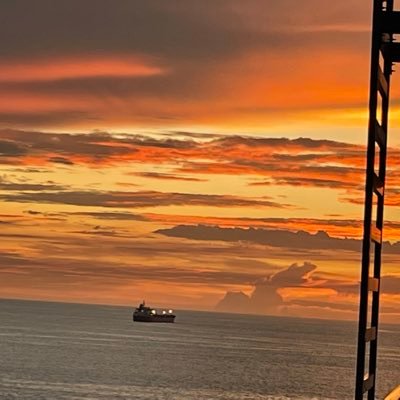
(148, 314)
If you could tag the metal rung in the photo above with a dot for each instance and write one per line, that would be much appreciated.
(391, 22)
(373, 284)
(378, 185)
(380, 135)
(368, 383)
(370, 334)
(376, 234)
(382, 83)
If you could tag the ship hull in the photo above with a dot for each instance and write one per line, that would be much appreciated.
(154, 318)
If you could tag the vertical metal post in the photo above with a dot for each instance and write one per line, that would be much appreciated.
(374, 201)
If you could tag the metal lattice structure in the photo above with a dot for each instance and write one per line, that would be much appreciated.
(384, 52)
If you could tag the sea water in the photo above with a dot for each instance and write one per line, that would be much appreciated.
(51, 351)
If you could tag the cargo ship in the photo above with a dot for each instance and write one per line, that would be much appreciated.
(148, 314)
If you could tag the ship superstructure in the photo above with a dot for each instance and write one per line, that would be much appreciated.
(148, 314)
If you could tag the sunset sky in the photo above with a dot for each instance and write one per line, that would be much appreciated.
(179, 150)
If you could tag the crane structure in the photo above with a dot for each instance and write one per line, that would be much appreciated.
(384, 53)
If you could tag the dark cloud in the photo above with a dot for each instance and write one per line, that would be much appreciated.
(254, 142)
(164, 176)
(312, 182)
(154, 28)
(55, 216)
(97, 145)
(53, 118)
(136, 199)
(121, 216)
(177, 29)
(28, 170)
(32, 212)
(265, 298)
(60, 160)
(93, 146)
(294, 275)
(6, 185)
(9, 148)
(99, 230)
(6, 222)
(271, 237)
(12, 259)
(104, 143)
(236, 302)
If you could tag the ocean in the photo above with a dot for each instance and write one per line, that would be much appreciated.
(51, 351)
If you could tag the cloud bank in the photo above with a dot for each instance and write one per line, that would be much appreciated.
(265, 298)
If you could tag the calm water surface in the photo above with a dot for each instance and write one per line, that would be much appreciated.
(52, 351)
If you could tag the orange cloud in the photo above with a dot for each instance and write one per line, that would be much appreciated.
(256, 88)
(261, 161)
(83, 66)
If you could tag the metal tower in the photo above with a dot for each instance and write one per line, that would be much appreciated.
(384, 52)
